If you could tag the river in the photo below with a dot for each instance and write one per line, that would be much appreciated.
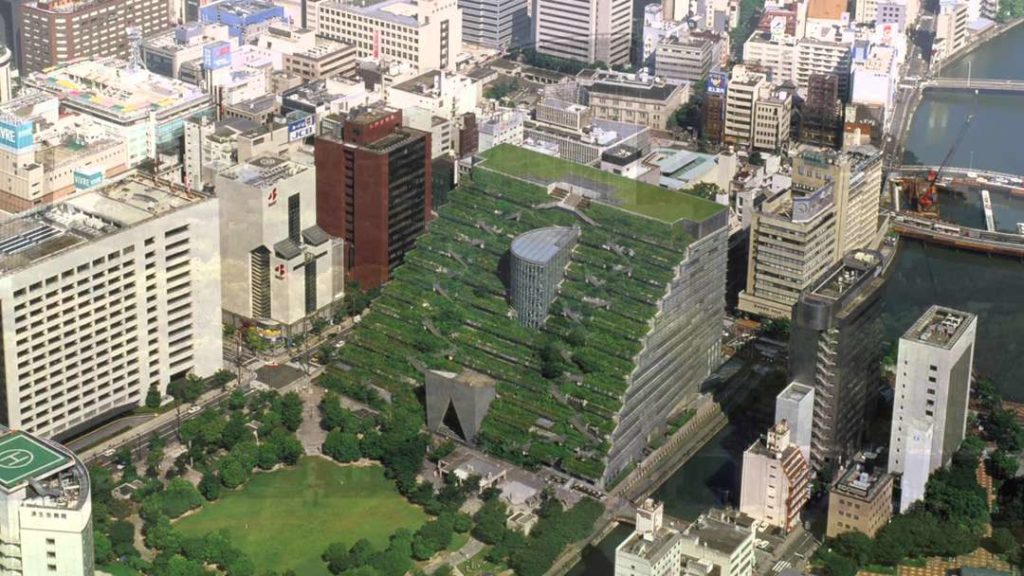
(992, 288)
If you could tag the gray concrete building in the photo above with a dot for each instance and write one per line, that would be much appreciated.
(496, 24)
(835, 346)
(539, 258)
(933, 384)
(686, 58)
(466, 395)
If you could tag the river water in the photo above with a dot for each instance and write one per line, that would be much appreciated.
(992, 288)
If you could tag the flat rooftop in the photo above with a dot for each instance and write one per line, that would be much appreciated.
(861, 482)
(664, 541)
(107, 87)
(940, 327)
(264, 171)
(242, 8)
(842, 277)
(719, 533)
(24, 458)
(401, 12)
(795, 392)
(32, 236)
(667, 206)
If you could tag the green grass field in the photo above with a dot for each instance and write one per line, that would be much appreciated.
(286, 519)
(645, 199)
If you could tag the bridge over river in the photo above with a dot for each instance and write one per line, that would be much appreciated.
(987, 85)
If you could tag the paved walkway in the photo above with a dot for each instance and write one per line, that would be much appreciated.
(468, 550)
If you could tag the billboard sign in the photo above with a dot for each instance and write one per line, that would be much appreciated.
(217, 55)
(85, 179)
(718, 82)
(16, 136)
(807, 207)
(301, 127)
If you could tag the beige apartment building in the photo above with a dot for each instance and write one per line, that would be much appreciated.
(859, 501)
(740, 102)
(798, 233)
(426, 34)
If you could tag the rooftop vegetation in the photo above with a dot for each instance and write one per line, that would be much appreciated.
(645, 199)
(560, 388)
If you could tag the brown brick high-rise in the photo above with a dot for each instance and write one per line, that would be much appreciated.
(373, 188)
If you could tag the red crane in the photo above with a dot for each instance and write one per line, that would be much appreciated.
(927, 200)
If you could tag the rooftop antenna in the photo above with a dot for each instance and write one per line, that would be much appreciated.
(135, 62)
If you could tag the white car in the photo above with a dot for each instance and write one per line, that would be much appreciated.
(194, 409)
(109, 452)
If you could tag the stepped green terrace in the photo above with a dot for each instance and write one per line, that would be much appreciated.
(446, 308)
(645, 199)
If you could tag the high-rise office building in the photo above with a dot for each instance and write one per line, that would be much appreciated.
(373, 189)
(933, 383)
(496, 24)
(104, 296)
(59, 31)
(279, 267)
(797, 234)
(835, 347)
(775, 483)
(584, 30)
(426, 34)
(46, 505)
(856, 175)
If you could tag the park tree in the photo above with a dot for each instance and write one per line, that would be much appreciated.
(433, 537)
(337, 557)
(102, 547)
(490, 522)
(181, 566)
(266, 458)
(853, 545)
(160, 534)
(232, 473)
(209, 486)
(1002, 541)
(1002, 465)
(289, 450)
(179, 497)
(153, 397)
(122, 538)
(342, 446)
(291, 411)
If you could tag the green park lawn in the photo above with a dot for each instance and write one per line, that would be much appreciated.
(287, 518)
(648, 200)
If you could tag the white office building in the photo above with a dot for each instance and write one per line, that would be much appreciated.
(103, 296)
(795, 406)
(45, 508)
(933, 383)
(584, 30)
(426, 34)
(280, 268)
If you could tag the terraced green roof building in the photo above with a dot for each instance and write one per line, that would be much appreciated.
(632, 331)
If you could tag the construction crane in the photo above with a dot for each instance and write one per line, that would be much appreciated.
(922, 193)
